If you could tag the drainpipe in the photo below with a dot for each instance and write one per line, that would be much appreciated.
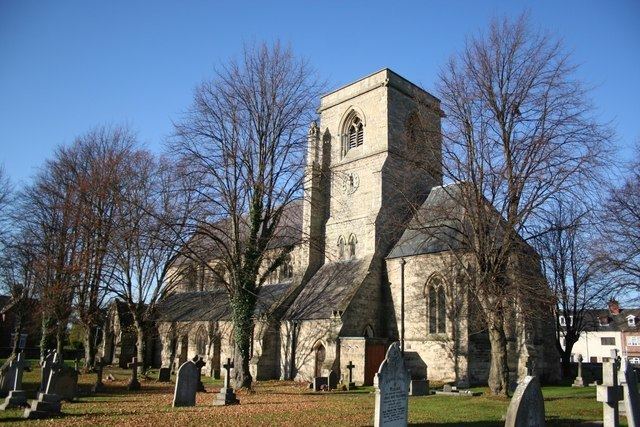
(402, 263)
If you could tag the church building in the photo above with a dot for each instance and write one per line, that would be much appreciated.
(362, 275)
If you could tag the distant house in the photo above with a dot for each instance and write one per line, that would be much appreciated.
(606, 330)
(31, 329)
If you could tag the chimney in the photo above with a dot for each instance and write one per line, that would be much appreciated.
(614, 307)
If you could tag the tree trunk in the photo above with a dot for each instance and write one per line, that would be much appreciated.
(565, 359)
(140, 344)
(89, 347)
(60, 330)
(243, 304)
(499, 371)
(47, 339)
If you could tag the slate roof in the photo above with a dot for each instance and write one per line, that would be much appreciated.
(616, 323)
(436, 227)
(330, 289)
(213, 305)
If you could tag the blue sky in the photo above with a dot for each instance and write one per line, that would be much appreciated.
(67, 66)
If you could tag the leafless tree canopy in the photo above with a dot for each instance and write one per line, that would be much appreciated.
(244, 142)
(621, 229)
(518, 131)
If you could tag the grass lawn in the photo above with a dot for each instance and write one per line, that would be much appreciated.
(288, 403)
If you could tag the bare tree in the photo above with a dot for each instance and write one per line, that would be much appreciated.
(621, 229)
(574, 274)
(244, 138)
(151, 225)
(518, 130)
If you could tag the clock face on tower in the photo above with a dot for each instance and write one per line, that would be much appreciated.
(350, 183)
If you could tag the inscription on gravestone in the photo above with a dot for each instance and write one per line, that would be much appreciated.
(392, 390)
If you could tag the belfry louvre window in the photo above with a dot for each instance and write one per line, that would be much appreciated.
(356, 133)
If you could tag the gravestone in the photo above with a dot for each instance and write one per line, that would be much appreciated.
(392, 390)
(6, 376)
(419, 387)
(99, 366)
(610, 393)
(63, 382)
(320, 383)
(199, 362)
(631, 398)
(526, 408)
(48, 403)
(579, 382)
(186, 385)
(134, 384)
(47, 362)
(17, 396)
(350, 384)
(226, 395)
(164, 375)
(332, 380)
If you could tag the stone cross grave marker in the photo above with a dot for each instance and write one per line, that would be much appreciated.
(186, 385)
(526, 408)
(226, 396)
(17, 397)
(631, 398)
(579, 382)
(48, 403)
(350, 384)
(610, 393)
(46, 369)
(99, 366)
(392, 390)
(134, 384)
(199, 362)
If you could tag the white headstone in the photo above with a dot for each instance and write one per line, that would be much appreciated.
(392, 390)
(526, 408)
(186, 385)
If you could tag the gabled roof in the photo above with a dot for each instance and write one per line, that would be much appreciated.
(616, 323)
(213, 305)
(330, 289)
(437, 226)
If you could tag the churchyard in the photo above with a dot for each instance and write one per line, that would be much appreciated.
(284, 403)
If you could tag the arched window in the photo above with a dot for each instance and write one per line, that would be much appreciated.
(352, 132)
(286, 270)
(341, 245)
(436, 306)
(201, 342)
(352, 246)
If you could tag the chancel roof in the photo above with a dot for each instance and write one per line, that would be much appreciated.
(330, 289)
(437, 226)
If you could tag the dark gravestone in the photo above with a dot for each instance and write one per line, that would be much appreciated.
(7, 376)
(631, 398)
(319, 383)
(199, 362)
(526, 408)
(186, 385)
(332, 380)
(226, 395)
(350, 384)
(164, 375)
(134, 384)
(17, 396)
(63, 382)
(99, 366)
